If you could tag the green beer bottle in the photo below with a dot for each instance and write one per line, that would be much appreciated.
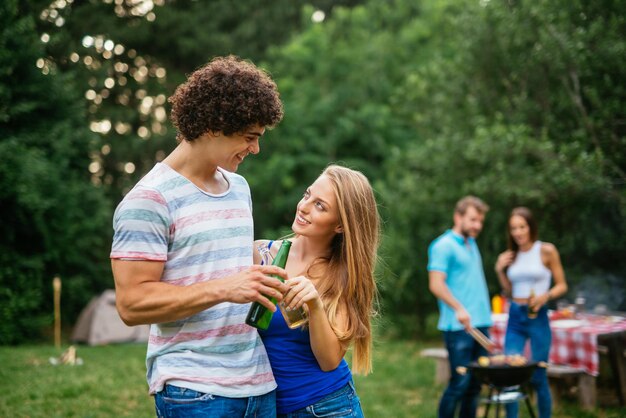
(258, 315)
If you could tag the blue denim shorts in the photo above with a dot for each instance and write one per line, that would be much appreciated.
(343, 402)
(175, 402)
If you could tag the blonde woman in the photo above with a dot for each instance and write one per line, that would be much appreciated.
(331, 270)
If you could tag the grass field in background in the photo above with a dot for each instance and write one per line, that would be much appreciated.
(111, 383)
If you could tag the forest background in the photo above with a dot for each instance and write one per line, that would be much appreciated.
(518, 102)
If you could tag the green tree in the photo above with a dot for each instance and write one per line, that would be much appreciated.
(338, 80)
(521, 106)
(55, 220)
(129, 57)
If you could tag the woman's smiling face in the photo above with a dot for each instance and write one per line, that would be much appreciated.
(519, 230)
(317, 213)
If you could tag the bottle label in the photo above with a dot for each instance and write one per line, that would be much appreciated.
(266, 255)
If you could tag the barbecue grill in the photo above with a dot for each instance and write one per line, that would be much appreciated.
(506, 382)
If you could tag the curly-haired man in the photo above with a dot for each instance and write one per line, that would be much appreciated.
(182, 250)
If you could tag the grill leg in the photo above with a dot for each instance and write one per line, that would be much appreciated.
(528, 404)
(488, 403)
(498, 408)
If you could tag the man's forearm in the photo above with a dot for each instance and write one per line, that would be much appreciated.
(441, 291)
(158, 302)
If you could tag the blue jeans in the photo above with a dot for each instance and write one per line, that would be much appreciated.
(343, 402)
(462, 389)
(519, 329)
(174, 402)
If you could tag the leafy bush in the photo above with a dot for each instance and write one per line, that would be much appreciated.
(55, 221)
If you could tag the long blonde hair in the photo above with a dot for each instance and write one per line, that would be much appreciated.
(350, 266)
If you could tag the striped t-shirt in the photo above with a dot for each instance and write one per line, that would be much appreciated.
(200, 236)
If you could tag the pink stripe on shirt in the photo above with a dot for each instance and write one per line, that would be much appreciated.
(147, 194)
(139, 256)
(201, 335)
(203, 277)
(187, 221)
(222, 380)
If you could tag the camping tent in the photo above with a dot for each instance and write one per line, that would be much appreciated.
(99, 323)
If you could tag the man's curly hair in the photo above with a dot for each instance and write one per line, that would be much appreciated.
(229, 95)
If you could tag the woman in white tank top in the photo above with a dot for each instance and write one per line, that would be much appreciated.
(525, 272)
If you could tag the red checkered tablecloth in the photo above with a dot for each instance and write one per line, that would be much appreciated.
(574, 344)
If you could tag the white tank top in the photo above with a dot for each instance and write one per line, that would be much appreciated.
(528, 272)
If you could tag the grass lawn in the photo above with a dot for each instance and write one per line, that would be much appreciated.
(111, 383)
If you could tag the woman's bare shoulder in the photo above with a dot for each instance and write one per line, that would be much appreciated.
(548, 249)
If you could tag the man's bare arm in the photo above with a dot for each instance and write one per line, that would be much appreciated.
(142, 298)
(439, 288)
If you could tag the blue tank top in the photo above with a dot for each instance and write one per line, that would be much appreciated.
(300, 380)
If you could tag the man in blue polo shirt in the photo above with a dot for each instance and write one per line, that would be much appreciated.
(457, 279)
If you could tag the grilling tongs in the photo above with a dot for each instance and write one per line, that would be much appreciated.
(482, 339)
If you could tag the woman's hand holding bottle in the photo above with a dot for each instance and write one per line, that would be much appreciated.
(301, 291)
(293, 300)
(535, 302)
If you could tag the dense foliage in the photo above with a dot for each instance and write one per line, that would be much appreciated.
(527, 111)
(54, 221)
(520, 103)
(130, 55)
